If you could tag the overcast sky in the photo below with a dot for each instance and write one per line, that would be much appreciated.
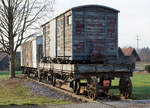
(134, 18)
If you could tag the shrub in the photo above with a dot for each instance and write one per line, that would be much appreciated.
(147, 68)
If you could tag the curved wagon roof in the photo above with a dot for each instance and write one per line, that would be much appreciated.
(82, 6)
(102, 6)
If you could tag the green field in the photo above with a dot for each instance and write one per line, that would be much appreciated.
(6, 74)
(13, 92)
(141, 86)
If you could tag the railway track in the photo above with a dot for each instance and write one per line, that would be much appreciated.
(82, 98)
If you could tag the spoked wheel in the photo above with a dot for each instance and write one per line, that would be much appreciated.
(25, 72)
(92, 88)
(28, 74)
(53, 80)
(92, 93)
(36, 74)
(125, 85)
(76, 87)
(39, 75)
(50, 78)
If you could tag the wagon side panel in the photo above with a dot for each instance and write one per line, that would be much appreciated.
(52, 34)
(46, 40)
(95, 32)
(27, 54)
(64, 35)
(39, 50)
(34, 54)
(68, 34)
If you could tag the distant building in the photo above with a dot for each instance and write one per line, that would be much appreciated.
(120, 53)
(131, 52)
(4, 61)
(128, 55)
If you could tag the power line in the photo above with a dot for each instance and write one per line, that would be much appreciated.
(137, 42)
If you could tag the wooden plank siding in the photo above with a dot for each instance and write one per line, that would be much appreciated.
(83, 31)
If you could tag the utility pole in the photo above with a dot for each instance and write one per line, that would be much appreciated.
(137, 43)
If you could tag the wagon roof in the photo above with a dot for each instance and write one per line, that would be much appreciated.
(131, 51)
(82, 6)
(102, 6)
(34, 38)
(128, 51)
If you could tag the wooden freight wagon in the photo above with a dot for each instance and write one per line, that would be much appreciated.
(82, 45)
(82, 33)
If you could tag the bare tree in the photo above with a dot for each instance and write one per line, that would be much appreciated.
(16, 19)
(144, 54)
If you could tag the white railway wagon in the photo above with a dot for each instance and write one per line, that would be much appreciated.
(32, 52)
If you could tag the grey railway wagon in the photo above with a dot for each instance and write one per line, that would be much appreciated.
(82, 32)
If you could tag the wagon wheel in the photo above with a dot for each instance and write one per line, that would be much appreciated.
(92, 88)
(76, 87)
(28, 73)
(92, 93)
(125, 85)
(24, 71)
(50, 77)
(39, 75)
(53, 80)
(36, 74)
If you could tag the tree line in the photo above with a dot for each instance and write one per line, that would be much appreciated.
(144, 54)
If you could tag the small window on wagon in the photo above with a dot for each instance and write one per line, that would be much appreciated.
(69, 19)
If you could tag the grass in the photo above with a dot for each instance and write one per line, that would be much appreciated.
(141, 86)
(13, 92)
(4, 74)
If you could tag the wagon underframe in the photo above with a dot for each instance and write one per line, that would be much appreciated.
(92, 82)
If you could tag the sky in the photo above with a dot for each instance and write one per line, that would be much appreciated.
(134, 18)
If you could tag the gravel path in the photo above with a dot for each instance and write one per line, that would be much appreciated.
(119, 104)
(37, 89)
(130, 104)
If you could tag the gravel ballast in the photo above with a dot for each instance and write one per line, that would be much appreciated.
(38, 89)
